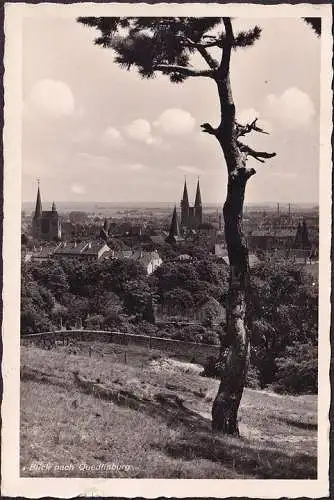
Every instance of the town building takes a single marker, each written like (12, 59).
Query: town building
(149, 260)
(46, 224)
(191, 216)
(85, 250)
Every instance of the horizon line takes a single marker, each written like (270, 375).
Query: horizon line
(171, 202)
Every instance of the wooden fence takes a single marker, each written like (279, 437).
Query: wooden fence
(189, 350)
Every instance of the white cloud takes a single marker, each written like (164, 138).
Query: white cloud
(247, 115)
(140, 130)
(94, 161)
(292, 109)
(189, 169)
(175, 121)
(137, 167)
(78, 188)
(51, 98)
(112, 137)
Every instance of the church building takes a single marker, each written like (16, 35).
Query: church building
(191, 216)
(46, 224)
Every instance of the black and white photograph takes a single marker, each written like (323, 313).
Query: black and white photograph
(167, 186)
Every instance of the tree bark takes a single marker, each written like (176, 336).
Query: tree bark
(233, 375)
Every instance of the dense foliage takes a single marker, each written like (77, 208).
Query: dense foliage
(183, 300)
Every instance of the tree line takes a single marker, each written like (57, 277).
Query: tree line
(183, 300)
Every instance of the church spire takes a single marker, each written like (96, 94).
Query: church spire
(174, 227)
(198, 199)
(174, 230)
(185, 200)
(38, 208)
(54, 208)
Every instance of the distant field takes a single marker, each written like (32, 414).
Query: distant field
(151, 419)
(90, 206)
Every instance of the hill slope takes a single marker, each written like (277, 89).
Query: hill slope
(129, 412)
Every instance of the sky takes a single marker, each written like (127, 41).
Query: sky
(92, 131)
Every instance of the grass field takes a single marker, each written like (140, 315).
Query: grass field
(151, 419)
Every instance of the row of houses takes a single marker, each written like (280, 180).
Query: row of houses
(92, 251)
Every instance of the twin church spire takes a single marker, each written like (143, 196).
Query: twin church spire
(185, 198)
(191, 216)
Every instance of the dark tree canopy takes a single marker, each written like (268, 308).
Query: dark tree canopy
(165, 44)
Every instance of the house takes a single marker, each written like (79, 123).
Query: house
(40, 254)
(83, 250)
(150, 260)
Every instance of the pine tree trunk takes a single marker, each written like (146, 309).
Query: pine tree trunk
(233, 376)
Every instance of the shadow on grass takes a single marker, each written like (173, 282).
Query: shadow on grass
(299, 424)
(242, 456)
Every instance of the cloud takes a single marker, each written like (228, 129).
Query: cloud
(112, 137)
(140, 130)
(247, 115)
(175, 121)
(78, 188)
(292, 109)
(94, 161)
(138, 167)
(189, 169)
(52, 98)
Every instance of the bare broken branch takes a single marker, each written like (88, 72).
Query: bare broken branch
(242, 130)
(258, 155)
(209, 129)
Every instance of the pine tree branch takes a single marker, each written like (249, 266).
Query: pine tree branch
(182, 70)
(201, 48)
(215, 42)
(258, 155)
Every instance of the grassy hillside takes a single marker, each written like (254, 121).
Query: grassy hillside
(131, 412)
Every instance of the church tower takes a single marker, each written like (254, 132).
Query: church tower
(46, 224)
(185, 206)
(36, 222)
(198, 206)
(174, 230)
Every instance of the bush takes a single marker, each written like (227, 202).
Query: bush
(297, 372)
(35, 321)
